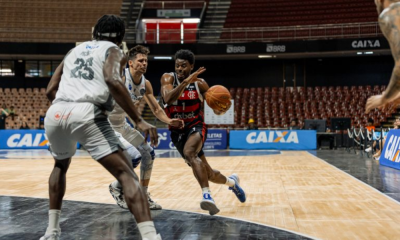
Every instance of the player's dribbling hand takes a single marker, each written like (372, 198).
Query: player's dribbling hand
(177, 123)
(193, 77)
(148, 129)
(373, 102)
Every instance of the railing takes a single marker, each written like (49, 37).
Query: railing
(225, 35)
(174, 5)
(270, 34)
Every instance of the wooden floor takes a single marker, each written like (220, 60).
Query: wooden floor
(293, 190)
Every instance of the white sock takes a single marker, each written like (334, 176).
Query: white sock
(116, 184)
(230, 182)
(147, 230)
(206, 190)
(145, 188)
(54, 221)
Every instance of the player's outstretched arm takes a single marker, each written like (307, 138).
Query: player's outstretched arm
(54, 83)
(171, 94)
(156, 108)
(112, 76)
(390, 26)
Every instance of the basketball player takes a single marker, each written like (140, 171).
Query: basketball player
(140, 89)
(182, 95)
(82, 90)
(389, 22)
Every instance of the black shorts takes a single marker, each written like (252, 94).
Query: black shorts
(179, 138)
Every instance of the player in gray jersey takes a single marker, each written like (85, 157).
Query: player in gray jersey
(82, 91)
(140, 90)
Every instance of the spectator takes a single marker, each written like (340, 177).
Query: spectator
(370, 125)
(24, 125)
(41, 126)
(3, 116)
(379, 146)
(12, 112)
(252, 125)
(41, 116)
(294, 124)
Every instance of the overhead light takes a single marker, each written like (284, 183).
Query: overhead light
(359, 53)
(162, 58)
(5, 70)
(265, 56)
(191, 20)
(368, 52)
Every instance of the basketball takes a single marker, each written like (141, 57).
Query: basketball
(218, 98)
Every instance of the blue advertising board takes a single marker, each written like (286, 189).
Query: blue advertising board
(273, 139)
(23, 139)
(216, 139)
(390, 156)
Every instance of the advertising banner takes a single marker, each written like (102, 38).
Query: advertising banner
(271, 139)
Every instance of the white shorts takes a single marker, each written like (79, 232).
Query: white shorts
(131, 135)
(67, 123)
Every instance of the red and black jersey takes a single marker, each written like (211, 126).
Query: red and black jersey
(188, 107)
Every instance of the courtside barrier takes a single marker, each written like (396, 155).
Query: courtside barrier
(273, 139)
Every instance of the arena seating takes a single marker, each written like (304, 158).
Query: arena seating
(275, 107)
(39, 21)
(269, 107)
(29, 104)
(259, 13)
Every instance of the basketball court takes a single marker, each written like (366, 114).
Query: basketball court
(290, 195)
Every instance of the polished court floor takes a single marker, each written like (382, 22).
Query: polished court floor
(290, 195)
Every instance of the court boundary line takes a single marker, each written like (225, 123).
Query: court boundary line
(334, 167)
(218, 216)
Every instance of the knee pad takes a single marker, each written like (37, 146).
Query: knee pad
(134, 155)
(147, 162)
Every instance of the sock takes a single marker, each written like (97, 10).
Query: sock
(145, 188)
(147, 230)
(230, 182)
(116, 184)
(206, 190)
(54, 221)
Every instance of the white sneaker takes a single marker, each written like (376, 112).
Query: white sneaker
(368, 149)
(55, 235)
(158, 237)
(118, 196)
(153, 205)
(208, 204)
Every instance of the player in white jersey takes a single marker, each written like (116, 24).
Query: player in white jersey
(82, 90)
(140, 90)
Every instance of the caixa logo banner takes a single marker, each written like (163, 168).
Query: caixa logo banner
(23, 139)
(216, 139)
(391, 151)
(281, 140)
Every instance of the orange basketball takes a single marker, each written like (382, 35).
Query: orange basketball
(218, 98)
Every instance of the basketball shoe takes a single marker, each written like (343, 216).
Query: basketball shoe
(118, 196)
(236, 189)
(55, 235)
(153, 205)
(208, 204)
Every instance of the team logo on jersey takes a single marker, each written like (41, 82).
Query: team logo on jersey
(57, 116)
(142, 91)
(130, 86)
(192, 95)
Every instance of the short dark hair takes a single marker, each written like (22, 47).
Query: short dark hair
(139, 49)
(185, 54)
(295, 120)
(370, 120)
(109, 27)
